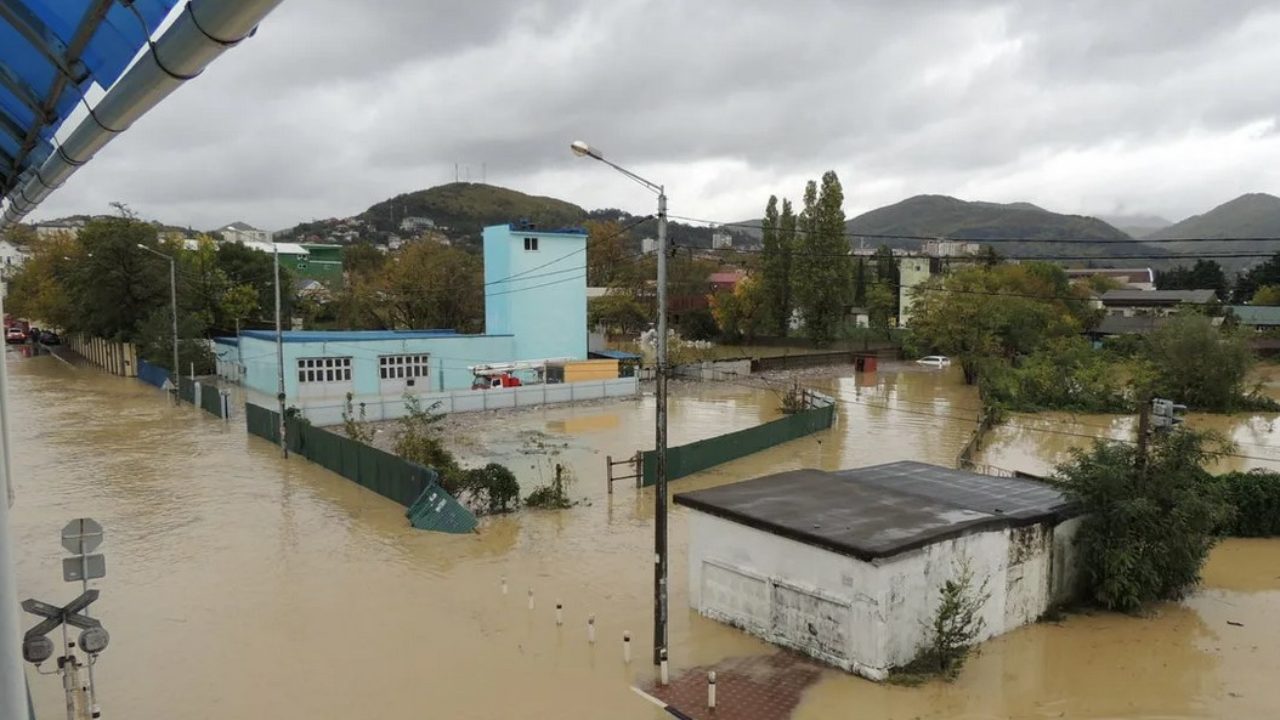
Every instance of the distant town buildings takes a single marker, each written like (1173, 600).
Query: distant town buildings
(648, 246)
(54, 228)
(414, 223)
(942, 248)
(243, 233)
(721, 240)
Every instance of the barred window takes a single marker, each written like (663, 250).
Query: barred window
(327, 369)
(398, 367)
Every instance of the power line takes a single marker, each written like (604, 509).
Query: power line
(943, 238)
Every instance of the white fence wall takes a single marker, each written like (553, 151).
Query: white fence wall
(328, 411)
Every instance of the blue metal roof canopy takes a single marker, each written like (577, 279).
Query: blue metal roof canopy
(54, 50)
(51, 53)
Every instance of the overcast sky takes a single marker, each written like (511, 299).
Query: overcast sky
(1097, 107)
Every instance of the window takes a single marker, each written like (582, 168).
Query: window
(401, 367)
(531, 244)
(322, 370)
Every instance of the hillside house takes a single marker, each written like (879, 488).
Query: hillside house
(1256, 317)
(243, 232)
(1130, 278)
(1131, 303)
(846, 566)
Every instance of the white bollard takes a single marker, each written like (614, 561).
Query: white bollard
(559, 614)
(504, 584)
(591, 629)
(662, 668)
(530, 598)
(711, 690)
(626, 648)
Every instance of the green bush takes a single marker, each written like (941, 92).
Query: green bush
(1147, 528)
(1068, 374)
(1255, 498)
(490, 489)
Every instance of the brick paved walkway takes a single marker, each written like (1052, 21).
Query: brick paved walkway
(764, 687)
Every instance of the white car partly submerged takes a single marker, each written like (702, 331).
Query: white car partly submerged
(934, 361)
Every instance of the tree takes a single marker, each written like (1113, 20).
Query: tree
(822, 259)
(247, 266)
(617, 312)
(740, 313)
(1147, 524)
(980, 314)
(40, 289)
(114, 284)
(775, 279)
(239, 303)
(362, 259)
(609, 249)
(424, 285)
(881, 305)
(1194, 363)
(1268, 273)
(1204, 275)
(860, 281)
(1266, 295)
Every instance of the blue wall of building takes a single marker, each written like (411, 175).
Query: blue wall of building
(545, 305)
(450, 353)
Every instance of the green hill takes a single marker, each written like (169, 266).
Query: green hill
(464, 209)
(1021, 223)
(1251, 215)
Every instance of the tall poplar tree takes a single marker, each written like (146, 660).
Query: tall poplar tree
(823, 259)
(775, 271)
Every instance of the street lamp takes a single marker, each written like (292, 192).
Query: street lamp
(582, 149)
(173, 297)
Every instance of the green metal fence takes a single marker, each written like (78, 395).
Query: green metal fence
(700, 455)
(187, 390)
(211, 399)
(392, 477)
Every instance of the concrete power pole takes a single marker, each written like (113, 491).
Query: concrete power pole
(284, 446)
(660, 431)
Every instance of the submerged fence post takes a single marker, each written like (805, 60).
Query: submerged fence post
(559, 614)
(711, 690)
(591, 629)
(626, 647)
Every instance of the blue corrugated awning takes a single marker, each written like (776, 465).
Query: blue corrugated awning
(51, 53)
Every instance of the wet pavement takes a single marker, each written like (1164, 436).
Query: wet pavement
(243, 585)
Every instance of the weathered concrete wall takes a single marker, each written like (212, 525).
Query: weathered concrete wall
(114, 357)
(779, 589)
(713, 370)
(868, 617)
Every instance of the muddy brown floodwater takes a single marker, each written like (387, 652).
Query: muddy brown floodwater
(242, 585)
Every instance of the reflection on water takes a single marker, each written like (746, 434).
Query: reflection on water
(243, 585)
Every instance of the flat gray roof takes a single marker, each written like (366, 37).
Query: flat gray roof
(880, 511)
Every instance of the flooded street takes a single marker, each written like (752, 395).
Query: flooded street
(241, 585)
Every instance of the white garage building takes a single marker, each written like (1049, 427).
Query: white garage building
(846, 566)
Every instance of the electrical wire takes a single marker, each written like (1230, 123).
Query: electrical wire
(1066, 241)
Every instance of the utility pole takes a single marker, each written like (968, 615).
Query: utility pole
(582, 149)
(660, 432)
(173, 303)
(284, 446)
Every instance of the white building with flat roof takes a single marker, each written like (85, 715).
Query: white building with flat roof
(846, 566)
